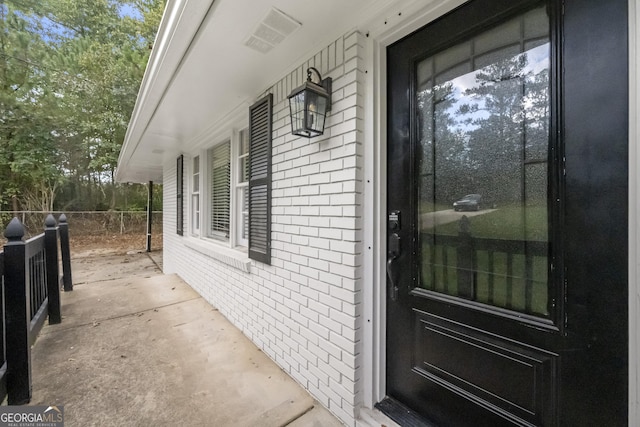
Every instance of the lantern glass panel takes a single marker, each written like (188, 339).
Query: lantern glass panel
(316, 111)
(296, 106)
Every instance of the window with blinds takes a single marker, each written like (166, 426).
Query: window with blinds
(195, 196)
(220, 179)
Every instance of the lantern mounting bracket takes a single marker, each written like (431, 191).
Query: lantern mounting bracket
(325, 83)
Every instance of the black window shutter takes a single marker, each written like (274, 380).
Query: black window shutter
(179, 194)
(260, 115)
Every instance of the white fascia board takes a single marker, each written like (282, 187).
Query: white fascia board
(180, 23)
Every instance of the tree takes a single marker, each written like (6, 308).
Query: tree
(70, 72)
(27, 148)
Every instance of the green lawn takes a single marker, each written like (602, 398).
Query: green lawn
(506, 222)
(433, 207)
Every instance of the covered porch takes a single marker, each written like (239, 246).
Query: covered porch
(139, 348)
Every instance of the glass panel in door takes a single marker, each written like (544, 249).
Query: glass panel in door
(483, 131)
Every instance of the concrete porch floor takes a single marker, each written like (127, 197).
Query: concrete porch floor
(139, 348)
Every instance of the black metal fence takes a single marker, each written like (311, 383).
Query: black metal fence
(513, 273)
(30, 272)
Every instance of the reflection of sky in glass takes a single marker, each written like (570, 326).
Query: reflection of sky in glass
(537, 61)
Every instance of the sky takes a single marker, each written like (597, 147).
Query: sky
(130, 11)
(124, 10)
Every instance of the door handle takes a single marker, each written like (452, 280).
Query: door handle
(393, 289)
(394, 253)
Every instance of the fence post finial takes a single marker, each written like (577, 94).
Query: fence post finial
(15, 231)
(50, 222)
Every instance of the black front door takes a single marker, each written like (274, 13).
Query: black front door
(507, 216)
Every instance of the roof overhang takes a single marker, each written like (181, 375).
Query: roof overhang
(200, 70)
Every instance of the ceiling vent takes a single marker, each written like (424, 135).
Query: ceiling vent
(271, 31)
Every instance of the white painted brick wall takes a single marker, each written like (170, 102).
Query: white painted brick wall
(169, 237)
(304, 310)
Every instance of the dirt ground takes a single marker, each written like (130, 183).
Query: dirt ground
(85, 246)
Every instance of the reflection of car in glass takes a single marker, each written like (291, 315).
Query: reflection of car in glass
(470, 202)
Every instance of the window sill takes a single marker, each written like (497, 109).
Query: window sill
(233, 257)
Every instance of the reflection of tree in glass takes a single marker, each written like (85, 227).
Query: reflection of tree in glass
(506, 122)
(496, 141)
(435, 113)
(537, 116)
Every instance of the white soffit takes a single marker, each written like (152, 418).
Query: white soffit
(203, 68)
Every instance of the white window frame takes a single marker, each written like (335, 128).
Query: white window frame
(195, 199)
(237, 189)
(241, 188)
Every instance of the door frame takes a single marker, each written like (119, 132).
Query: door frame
(395, 22)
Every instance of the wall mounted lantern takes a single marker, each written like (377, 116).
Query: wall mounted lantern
(309, 105)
